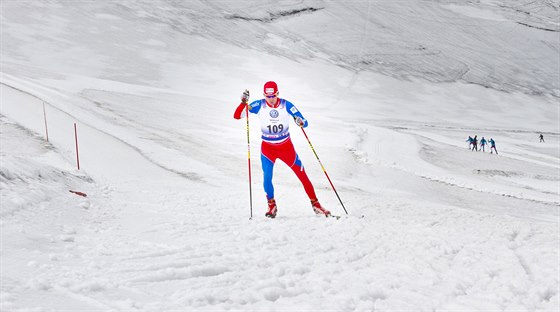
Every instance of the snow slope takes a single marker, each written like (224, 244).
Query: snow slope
(391, 91)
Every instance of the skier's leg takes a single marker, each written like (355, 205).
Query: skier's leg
(268, 157)
(288, 154)
(267, 167)
(299, 170)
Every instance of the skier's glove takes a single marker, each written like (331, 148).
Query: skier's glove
(245, 96)
(299, 121)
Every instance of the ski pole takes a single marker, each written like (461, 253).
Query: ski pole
(249, 159)
(323, 167)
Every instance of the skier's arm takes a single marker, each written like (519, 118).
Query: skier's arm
(242, 105)
(239, 110)
(292, 110)
(253, 107)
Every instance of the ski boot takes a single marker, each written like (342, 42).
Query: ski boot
(318, 209)
(271, 213)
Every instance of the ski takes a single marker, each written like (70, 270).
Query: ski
(338, 217)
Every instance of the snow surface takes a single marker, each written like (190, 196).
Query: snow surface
(391, 89)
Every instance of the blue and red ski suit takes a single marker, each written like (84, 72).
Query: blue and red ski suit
(276, 142)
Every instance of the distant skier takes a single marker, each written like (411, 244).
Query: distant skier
(542, 138)
(275, 114)
(482, 144)
(474, 144)
(493, 146)
(470, 140)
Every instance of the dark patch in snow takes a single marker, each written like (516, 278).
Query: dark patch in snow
(502, 173)
(272, 16)
(6, 176)
(546, 178)
(536, 27)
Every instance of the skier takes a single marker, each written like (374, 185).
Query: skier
(493, 146)
(482, 144)
(274, 114)
(470, 140)
(474, 144)
(542, 138)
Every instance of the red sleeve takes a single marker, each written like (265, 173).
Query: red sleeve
(239, 110)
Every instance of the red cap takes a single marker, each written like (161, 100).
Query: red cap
(270, 88)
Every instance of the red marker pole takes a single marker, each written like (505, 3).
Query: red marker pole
(46, 129)
(77, 154)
